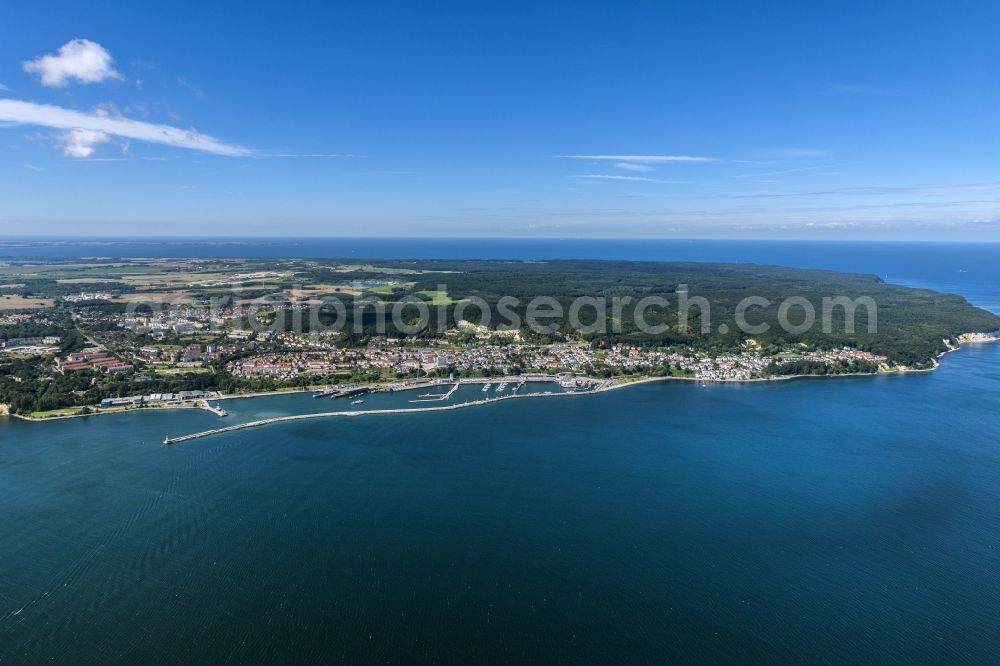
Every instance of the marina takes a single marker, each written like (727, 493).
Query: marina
(372, 412)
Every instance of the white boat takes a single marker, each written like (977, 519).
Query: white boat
(486, 387)
(357, 402)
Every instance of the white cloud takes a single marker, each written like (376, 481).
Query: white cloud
(56, 117)
(81, 60)
(81, 142)
(4, 88)
(642, 159)
(630, 166)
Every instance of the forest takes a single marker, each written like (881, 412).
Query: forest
(911, 328)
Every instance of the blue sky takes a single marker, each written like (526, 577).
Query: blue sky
(797, 120)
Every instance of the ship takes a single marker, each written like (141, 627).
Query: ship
(357, 402)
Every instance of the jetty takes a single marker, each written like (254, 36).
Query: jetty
(431, 397)
(368, 412)
(215, 409)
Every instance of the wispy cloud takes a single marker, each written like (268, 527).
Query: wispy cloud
(81, 60)
(790, 153)
(878, 190)
(969, 187)
(642, 159)
(4, 88)
(56, 117)
(786, 171)
(634, 179)
(190, 87)
(631, 166)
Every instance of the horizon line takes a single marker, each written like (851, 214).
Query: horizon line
(232, 238)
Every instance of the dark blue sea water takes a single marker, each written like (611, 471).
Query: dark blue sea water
(836, 520)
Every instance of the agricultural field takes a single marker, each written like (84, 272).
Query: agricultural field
(11, 302)
(173, 297)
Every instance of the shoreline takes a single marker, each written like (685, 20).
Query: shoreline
(97, 411)
(604, 387)
(611, 384)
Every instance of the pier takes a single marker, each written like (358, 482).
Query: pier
(438, 398)
(215, 409)
(369, 412)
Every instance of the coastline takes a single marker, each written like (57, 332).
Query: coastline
(602, 386)
(608, 385)
(97, 411)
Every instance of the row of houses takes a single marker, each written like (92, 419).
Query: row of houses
(91, 359)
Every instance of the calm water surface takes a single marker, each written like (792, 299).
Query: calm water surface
(815, 520)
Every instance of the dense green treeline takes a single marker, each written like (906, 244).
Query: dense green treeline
(910, 326)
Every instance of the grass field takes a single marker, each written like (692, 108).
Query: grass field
(22, 303)
(173, 279)
(156, 297)
(437, 297)
(386, 289)
(318, 291)
(182, 371)
(369, 268)
(68, 411)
